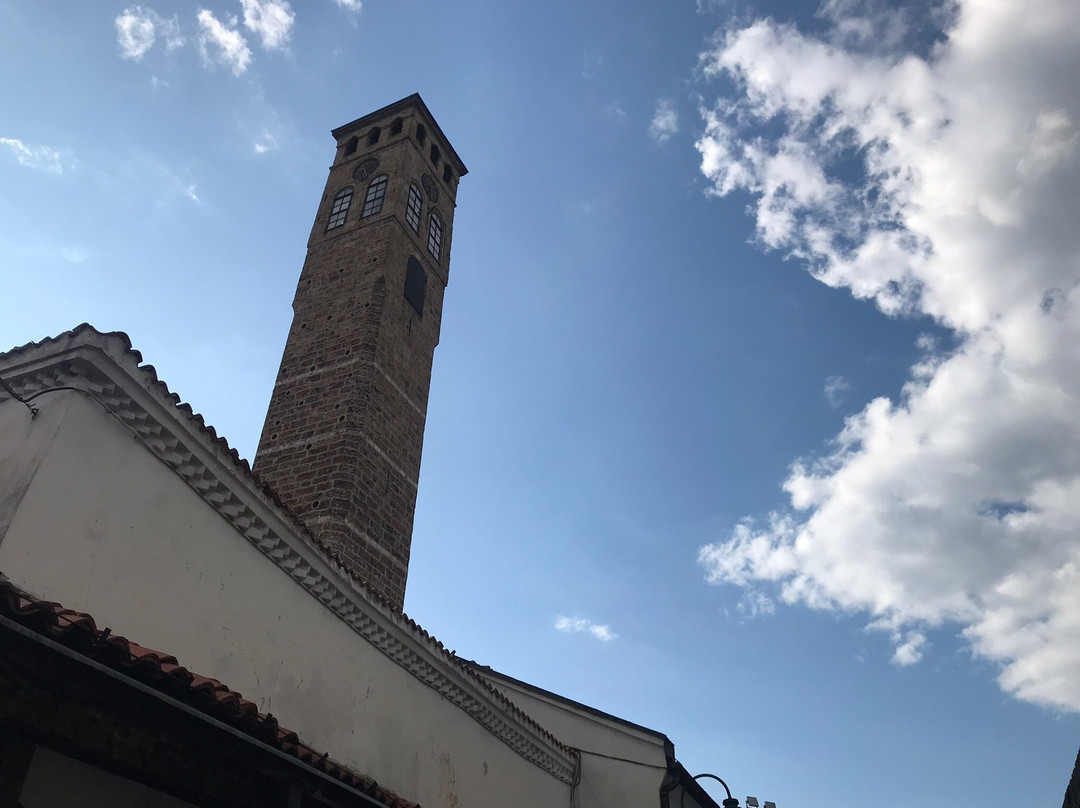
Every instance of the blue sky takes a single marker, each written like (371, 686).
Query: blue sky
(754, 418)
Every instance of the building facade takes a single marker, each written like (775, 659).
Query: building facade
(176, 629)
(343, 436)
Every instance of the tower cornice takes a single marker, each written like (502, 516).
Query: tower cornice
(412, 101)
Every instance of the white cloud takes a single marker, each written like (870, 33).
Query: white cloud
(665, 121)
(756, 604)
(577, 625)
(835, 387)
(350, 5)
(42, 158)
(221, 42)
(880, 26)
(134, 33)
(266, 142)
(711, 6)
(959, 502)
(909, 648)
(138, 28)
(616, 111)
(272, 20)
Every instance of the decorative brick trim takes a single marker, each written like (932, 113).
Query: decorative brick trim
(107, 369)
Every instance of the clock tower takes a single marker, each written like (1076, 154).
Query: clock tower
(343, 435)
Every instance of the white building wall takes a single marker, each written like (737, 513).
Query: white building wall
(621, 764)
(106, 528)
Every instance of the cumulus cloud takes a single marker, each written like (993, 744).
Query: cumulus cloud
(665, 121)
(134, 33)
(933, 175)
(578, 625)
(138, 28)
(221, 43)
(908, 647)
(42, 158)
(271, 20)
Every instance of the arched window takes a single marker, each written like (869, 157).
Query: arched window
(415, 283)
(412, 210)
(447, 174)
(421, 134)
(434, 155)
(376, 193)
(373, 136)
(351, 144)
(340, 208)
(434, 239)
(395, 127)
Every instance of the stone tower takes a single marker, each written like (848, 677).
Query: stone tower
(342, 439)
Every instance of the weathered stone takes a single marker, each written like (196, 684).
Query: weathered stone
(343, 437)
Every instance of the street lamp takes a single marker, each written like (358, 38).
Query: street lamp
(729, 802)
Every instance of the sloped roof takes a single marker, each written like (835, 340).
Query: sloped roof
(163, 672)
(31, 372)
(413, 100)
(490, 673)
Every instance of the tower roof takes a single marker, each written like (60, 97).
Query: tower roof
(413, 100)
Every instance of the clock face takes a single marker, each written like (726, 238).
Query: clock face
(429, 187)
(365, 169)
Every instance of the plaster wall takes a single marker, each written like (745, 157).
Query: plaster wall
(25, 442)
(105, 527)
(621, 764)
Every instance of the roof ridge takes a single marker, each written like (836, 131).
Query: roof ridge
(163, 672)
(220, 444)
(217, 441)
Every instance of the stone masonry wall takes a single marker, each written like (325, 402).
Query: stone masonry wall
(344, 433)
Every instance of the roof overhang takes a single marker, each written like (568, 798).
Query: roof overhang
(61, 699)
(105, 368)
(413, 101)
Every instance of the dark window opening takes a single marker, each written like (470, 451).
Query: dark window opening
(434, 239)
(373, 136)
(447, 174)
(435, 155)
(351, 144)
(376, 193)
(412, 210)
(415, 284)
(395, 127)
(340, 208)
(421, 134)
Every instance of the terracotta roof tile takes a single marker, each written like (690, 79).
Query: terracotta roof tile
(163, 672)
